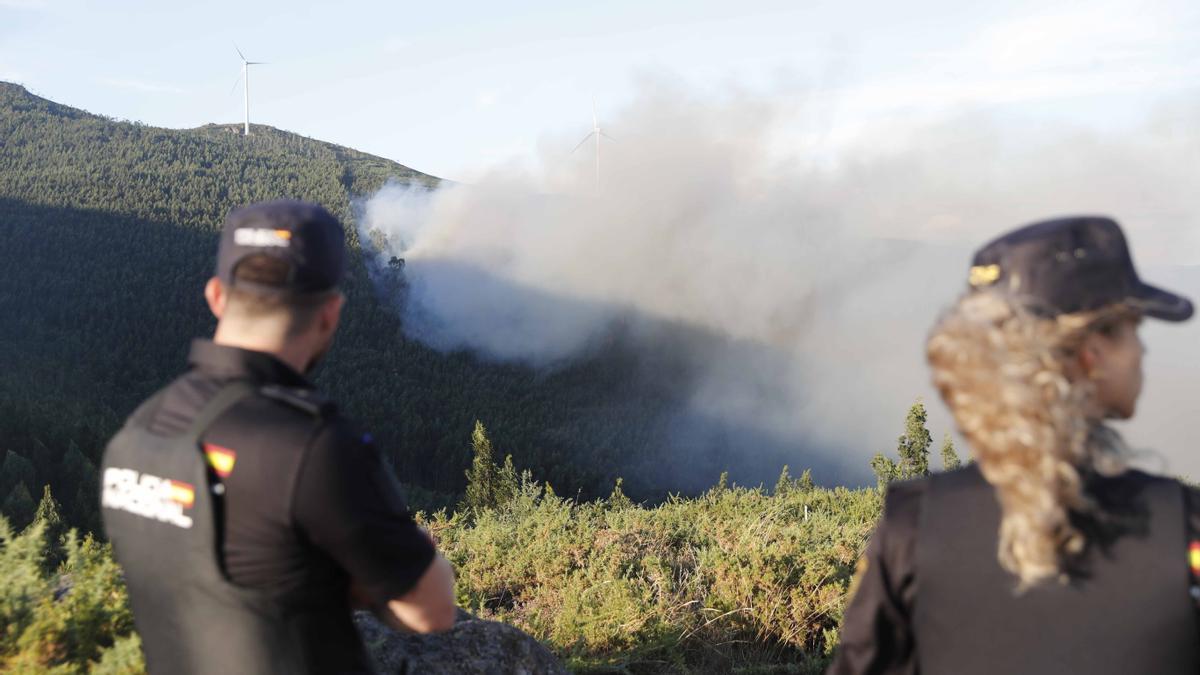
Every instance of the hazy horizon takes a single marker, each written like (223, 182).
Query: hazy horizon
(458, 89)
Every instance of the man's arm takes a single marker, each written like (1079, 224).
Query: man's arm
(427, 608)
(348, 503)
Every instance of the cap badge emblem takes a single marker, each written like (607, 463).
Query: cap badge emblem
(261, 237)
(984, 275)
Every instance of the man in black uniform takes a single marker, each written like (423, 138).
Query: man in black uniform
(248, 514)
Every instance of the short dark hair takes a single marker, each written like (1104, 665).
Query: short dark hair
(300, 310)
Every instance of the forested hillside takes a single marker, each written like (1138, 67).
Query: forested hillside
(109, 232)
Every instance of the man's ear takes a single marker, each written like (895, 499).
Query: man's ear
(331, 313)
(214, 293)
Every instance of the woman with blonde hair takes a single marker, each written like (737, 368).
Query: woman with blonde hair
(1048, 553)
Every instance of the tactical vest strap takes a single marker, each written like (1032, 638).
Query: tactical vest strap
(302, 399)
(225, 399)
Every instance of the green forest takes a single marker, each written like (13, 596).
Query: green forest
(110, 231)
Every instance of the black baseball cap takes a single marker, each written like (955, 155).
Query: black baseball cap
(1073, 264)
(304, 235)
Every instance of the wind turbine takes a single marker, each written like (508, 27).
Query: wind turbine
(595, 133)
(245, 78)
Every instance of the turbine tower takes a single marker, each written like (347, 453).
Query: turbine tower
(595, 133)
(245, 78)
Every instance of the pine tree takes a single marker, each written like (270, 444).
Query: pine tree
(787, 484)
(914, 445)
(16, 470)
(489, 486)
(508, 483)
(19, 507)
(74, 470)
(48, 511)
(84, 509)
(483, 477)
(950, 459)
(617, 500)
(49, 515)
(784, 484)
(885, 470)
(913, 448)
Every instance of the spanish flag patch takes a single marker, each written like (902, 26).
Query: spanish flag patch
(220, 459)
(182, 493)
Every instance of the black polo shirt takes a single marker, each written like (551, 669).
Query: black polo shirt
(308, 504)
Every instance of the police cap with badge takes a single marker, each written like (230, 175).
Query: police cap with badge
(303, 235)
(1068, 265)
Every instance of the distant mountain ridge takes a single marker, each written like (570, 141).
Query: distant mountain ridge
(194, 153)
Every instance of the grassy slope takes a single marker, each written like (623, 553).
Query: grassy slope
(736, 580)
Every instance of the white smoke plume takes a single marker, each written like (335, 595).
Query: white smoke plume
(806, 288)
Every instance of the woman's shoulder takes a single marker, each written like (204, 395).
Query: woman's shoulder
(1133, 475)
(1136, 481)
(903, 498)
(902, 501)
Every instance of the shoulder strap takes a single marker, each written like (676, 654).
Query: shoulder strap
(225, 398)
(142, 415)
(303, 399)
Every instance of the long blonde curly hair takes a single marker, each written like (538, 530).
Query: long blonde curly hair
(1012, 380)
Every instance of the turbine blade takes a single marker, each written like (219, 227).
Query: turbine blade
(585, 140)
(257, 63)
(235, 84)
(239, 52)
(608, 137)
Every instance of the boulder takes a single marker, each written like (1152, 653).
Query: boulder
(472, 647)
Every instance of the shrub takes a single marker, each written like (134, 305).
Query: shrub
(735, 578)
(69, 617)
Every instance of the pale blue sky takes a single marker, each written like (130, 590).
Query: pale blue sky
(452, 87)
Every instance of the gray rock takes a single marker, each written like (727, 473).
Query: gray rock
(472, 647)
